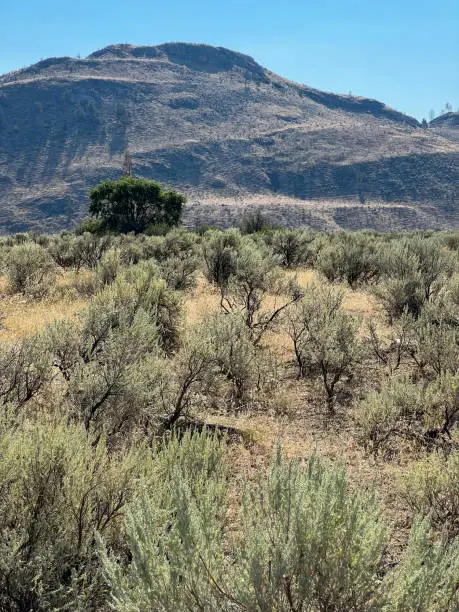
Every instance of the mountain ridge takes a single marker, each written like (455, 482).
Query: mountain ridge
(214, 123)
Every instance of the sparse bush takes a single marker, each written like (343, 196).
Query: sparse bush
(404, 412)
(30, 269)
(324, 340)
(25, 367)
(292, 247)
(90, 248)
(254, 222)
(256, 275)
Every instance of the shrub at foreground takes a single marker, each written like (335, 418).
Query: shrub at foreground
(58, 489)
(307, 543)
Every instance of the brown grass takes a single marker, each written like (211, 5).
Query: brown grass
(23, 317)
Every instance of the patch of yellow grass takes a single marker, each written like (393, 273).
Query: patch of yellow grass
(23, 318)
(305, 276)
(203, 301)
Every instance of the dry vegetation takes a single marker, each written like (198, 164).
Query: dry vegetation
(340, 346)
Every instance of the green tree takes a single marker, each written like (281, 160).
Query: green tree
(133, 204)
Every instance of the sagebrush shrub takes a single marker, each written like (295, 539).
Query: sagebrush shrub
(431, 488)
(232, 354)
(292, 247)
(25, 368)
(404, 412)
(57, 490)
(426, 578)
(219, 251)
(413, 271)
(324, 340)
(255, 276)
(30, 269)
(307, 542)
(349, 258)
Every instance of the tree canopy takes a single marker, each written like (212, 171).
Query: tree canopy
(132, 204)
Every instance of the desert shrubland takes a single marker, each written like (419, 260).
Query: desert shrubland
(263, 419)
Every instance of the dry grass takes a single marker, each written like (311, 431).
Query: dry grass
(203, 301)
(23, 317)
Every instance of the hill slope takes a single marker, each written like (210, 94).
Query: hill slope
(223, 129)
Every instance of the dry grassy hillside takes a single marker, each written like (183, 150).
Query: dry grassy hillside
(214, 124)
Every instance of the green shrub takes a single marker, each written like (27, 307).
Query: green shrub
(324, 340)
(178, 257)
(426, 578)
(349, 258)
(109, 266)
(91, 226)
(118, 366)
(57, 490)
(307, 542)
(219, 250)
(90, 248)
(233, 354)
(431, 488)
(433, 343)
(30, 269)
(292, 247)
(403, 412)
(157, 229)
(413, 271)
(66, 251)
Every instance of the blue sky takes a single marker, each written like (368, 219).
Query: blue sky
(402, 52)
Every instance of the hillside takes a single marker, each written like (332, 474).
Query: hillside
(447, 125)
(223, 129)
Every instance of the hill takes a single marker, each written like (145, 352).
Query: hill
(226, 131)
(447, 125)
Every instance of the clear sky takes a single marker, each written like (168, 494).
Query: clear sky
(402, 52)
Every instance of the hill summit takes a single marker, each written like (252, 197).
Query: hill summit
(229, 133)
